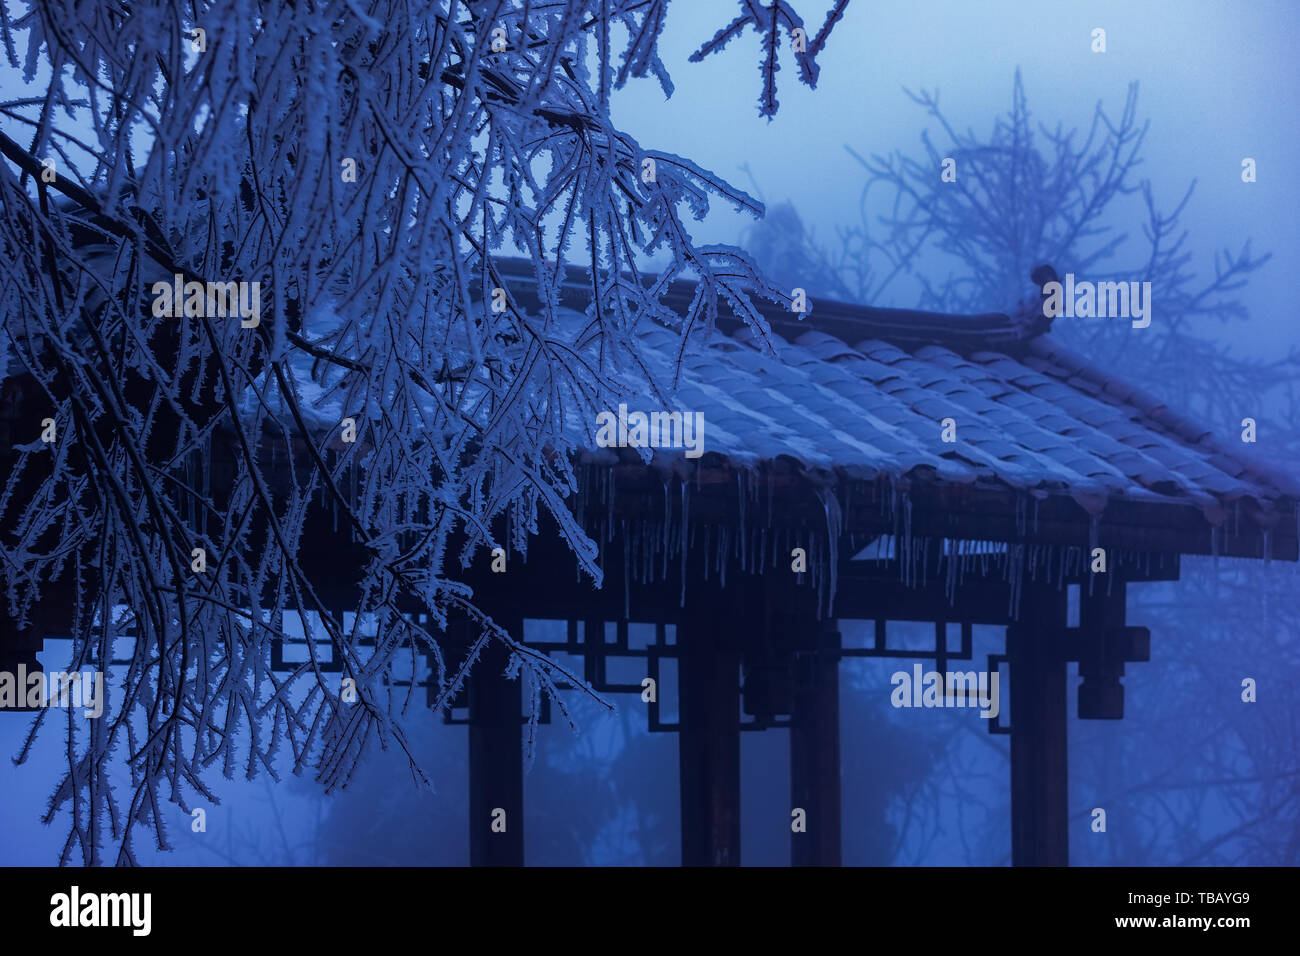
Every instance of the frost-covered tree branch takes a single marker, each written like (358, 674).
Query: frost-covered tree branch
(365, 166)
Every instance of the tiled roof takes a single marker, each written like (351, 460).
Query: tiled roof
(1031, 417)
(1035, 418)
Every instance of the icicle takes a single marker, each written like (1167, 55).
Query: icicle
(683, 544)
(724, 536)
(651, 545)
(609, 495)
(768, 475)
(1018, 582)
(907, 536)
(627, 582)
(1094, 534)
(950, 582)
(834, 528)
(823, 562)
(638, 552)
(1013, 576)
(741, 502)
(667, 527)
(708, 531)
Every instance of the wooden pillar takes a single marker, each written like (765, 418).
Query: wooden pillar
(708, 681)
(18, 649)
(1039, 768)
(496, 769)
(1104, 644)
(815, 750)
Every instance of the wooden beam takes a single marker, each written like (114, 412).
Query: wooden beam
(962, 512)
(866, 589)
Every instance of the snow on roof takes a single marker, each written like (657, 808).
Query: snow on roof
(1029, 415)
(1039, 420)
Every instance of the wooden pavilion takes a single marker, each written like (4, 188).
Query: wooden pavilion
(993, 461)
(833, 443)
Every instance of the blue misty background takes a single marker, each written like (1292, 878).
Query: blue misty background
(1217, 81)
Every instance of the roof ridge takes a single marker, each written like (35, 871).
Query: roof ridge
(849, 322)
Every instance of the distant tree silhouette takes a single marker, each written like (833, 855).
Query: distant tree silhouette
(1192, 775)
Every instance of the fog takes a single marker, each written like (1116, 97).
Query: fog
(920, 787)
